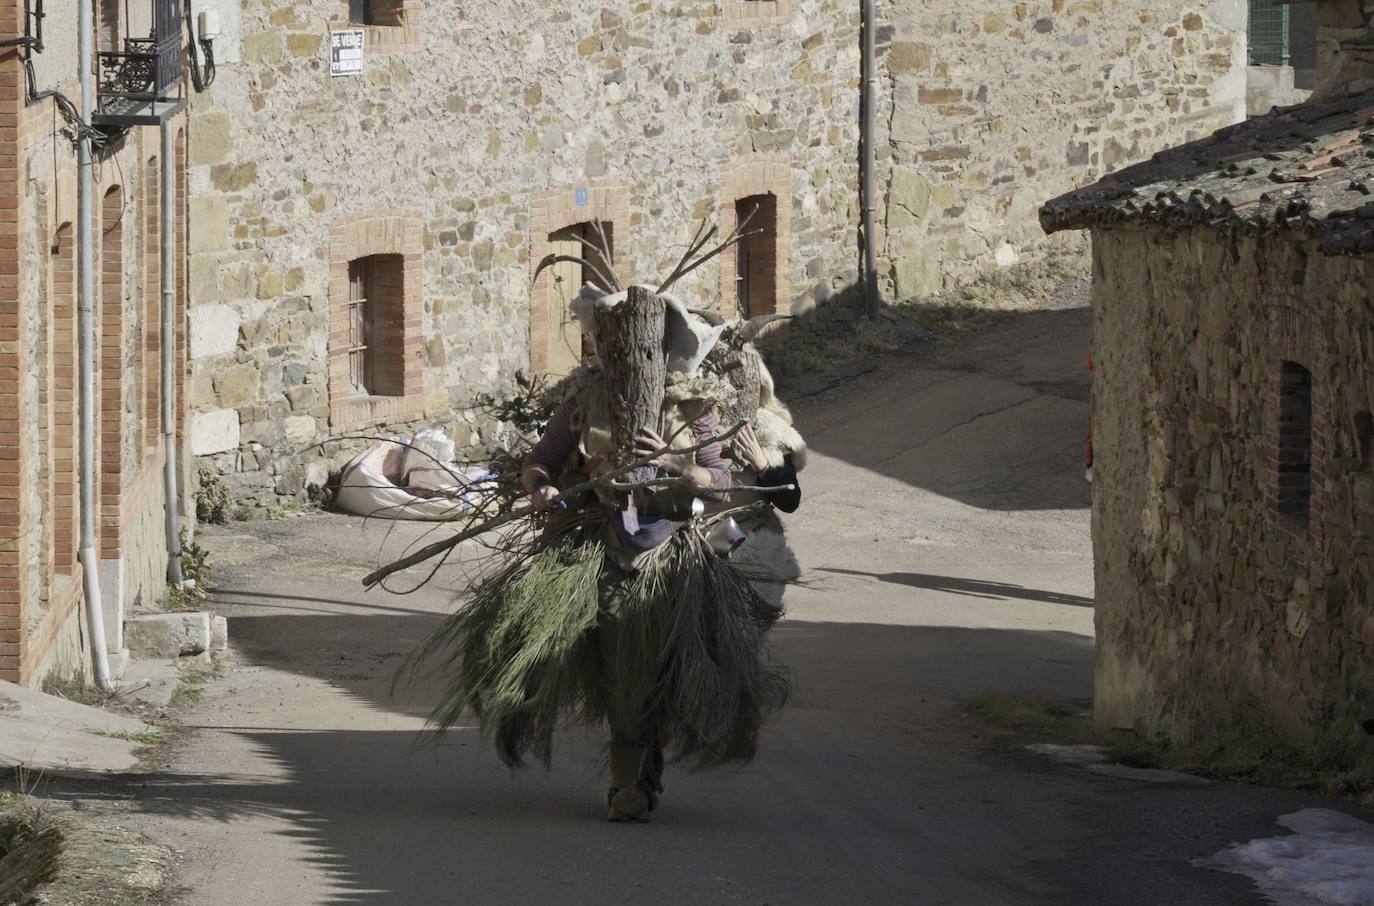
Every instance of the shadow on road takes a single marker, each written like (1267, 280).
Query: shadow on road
(854, 778)
(869, 788)
(973, 588)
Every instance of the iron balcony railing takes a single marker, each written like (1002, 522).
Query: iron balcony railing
(141, 84)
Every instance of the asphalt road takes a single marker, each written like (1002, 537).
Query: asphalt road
(944, 537)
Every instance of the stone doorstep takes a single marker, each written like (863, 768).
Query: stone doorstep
(151, 681)
(46, 734)
(175, 635)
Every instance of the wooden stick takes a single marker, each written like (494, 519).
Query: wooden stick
(606, 253)
(610, 272)
(550, 260)
(732, 241)
(621, 486)
(735, 236)
(696, 245)
(439, 547)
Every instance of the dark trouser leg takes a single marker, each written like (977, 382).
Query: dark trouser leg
(636, 754)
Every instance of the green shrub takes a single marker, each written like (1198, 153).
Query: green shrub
(212, 498)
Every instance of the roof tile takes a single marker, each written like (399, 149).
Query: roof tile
(1307, 170)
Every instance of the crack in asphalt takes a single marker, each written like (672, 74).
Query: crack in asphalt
(955, 427)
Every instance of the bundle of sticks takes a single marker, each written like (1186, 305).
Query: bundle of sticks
(632, 352)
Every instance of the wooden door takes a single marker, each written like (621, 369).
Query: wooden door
(565, 282)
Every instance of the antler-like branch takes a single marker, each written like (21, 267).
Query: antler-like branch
(550, 260)
(610, 271)
(736, 235)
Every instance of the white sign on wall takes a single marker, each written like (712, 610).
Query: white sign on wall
(346, 52)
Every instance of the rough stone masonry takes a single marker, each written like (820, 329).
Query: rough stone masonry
(459, 152)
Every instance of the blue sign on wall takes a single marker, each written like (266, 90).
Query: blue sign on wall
(581, 197)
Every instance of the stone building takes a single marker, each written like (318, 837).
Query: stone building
(42, 629)
(363, 244)
(990, 107)
(1233, 334)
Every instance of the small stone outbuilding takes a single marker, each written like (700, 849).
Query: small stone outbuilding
(1233, 336)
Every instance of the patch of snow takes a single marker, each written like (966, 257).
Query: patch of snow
(1328, 860)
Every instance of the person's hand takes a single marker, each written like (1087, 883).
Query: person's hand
(648, 446)
(749, 449)
(543, 497)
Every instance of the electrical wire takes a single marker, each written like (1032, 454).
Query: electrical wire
(70, 114)
(202, 76)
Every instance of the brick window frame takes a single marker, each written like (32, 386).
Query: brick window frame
(755, 12)
(758, 175)
(110, 443)
(380, 233)
(400, 38)
(1293, 346)
(64, 513)
(558, 209)
(151, 373)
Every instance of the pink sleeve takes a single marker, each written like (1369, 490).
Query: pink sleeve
(710, 456)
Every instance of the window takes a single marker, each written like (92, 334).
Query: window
(567, 346)
(756, 256)
(376, 287)
(755, 276)
(385, 13)
(376, 314)
(1295, 443)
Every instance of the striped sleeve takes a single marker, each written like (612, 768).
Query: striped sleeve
(557, 443)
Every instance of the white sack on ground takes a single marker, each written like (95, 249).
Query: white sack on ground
(428, 462)
(383, 481)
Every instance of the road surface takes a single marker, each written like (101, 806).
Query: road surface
(944, 539)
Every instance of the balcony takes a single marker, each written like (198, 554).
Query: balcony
(141, 85)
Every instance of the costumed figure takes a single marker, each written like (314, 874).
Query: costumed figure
(621, 604)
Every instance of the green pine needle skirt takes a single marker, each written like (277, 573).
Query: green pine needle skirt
(687, 657)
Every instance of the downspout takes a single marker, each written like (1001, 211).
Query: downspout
(85, 238)
(867, 115)
(169, 440)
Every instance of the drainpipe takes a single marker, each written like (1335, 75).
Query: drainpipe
(867, 115)
(169, 440)
(85, 238)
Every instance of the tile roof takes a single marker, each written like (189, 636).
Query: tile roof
(1307, 170)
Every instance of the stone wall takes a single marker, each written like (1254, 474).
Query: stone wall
(991, 107)
(42, 624)
(472, 122)
(130, 453)
(1219, 604)
(484, 122)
